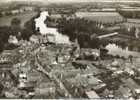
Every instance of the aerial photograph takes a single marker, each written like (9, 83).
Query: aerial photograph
(70, 49)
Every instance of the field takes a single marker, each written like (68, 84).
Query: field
(5, 21)
(104, 17)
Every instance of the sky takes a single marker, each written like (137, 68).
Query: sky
(74, 0)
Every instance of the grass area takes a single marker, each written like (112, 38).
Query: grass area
(24, 17)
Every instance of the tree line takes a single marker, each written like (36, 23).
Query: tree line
(85, 31)
(16, 30)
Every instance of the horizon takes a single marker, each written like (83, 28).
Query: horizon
(67, 1)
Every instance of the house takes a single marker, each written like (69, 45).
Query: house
(6, 66)
(55, 16)
(92, 95)
(130, 23)
(113, 28)
(34, 39)
(7, 56)
(130, 71)
(91, 10)
(87, 81)
(27, 81)
(107, 35)
(13, 40)
(123, 92)
(108, 9)
(51, 38)
(16, 11)
(45, 88)
(90, 69)
(132, 85)
(71, 73)
(130, 12)
(48, 38)
(91, 54)
(130, 9)
(6, 76)
(3, 13)
(33, 76)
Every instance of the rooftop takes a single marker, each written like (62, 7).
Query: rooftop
(92, 94)
(55, 16)
(123, 92)
(132, 84)
(130, 20)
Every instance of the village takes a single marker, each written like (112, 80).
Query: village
(54, 65)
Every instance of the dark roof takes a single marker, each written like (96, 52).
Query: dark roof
(6, 66)
(122, 91)
(132, 84)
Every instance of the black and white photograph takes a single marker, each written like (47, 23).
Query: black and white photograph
(70, 49)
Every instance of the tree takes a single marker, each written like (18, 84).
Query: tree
(15, 22)
(29, 28)
(4, 35)
(80, 29)
(16, 27)
(6, 31)
(1, 14)
(26, 33)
